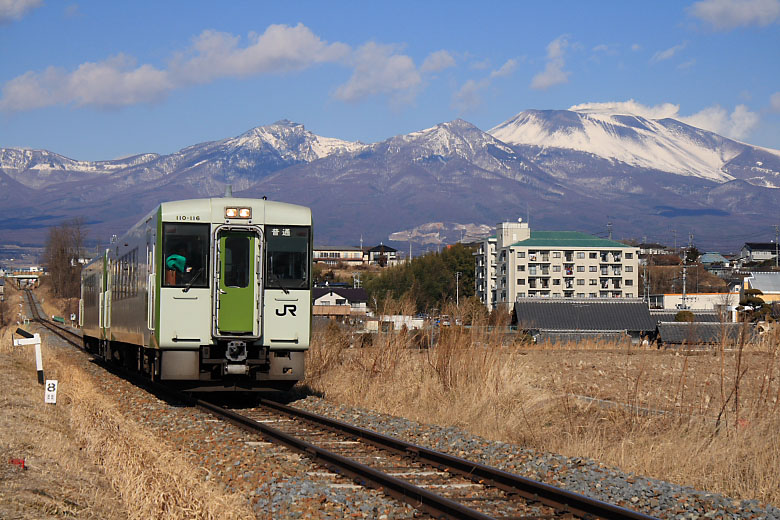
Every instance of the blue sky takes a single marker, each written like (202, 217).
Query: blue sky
(100, 80)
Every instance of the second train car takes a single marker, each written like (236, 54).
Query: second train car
(206, 295)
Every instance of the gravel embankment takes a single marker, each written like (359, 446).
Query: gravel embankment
(280, 484)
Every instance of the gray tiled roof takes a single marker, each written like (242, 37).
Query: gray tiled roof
(766, 282)
(583, 314)
(352, 295)
(697, 333)
(698, 316)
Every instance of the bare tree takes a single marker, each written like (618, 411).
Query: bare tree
(61, 257)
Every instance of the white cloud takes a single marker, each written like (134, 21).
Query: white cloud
(553, 73)
(468, 97)
(119, 81)
(738, 124)
(437, 61)
(630, 107)
(506, 69)
(716, 119)
(730, 14)
(15, 9)
(279, 49)
(668, 53)
(379, 70)
(636, 47)
(774, 101)
(112, 83)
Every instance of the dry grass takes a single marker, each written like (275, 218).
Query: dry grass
(144, 476)
(703, 419)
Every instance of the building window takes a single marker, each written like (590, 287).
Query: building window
(556, 254)
(521, 254)
(580, 295)
(629, 256)
(580, 282)
(556, 281)
(556, 268)
(521, 281)
(521, 295)
(593, 255)
(521, 268)
(580, 268)
(629, 282)
(629, 295)
(531, 269)
(593, 281)
(629, 268)
(591, 295)
(593, 268)
(580, 254)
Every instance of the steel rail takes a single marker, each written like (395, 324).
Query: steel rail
(511, 483)
(415, 496)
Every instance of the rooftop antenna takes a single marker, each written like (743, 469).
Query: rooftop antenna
(228, 190)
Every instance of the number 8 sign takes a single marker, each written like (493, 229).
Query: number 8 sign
(50, 397)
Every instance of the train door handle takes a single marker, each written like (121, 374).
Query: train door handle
(221, 291)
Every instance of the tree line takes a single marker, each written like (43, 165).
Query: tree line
(430, 281)
(64, 245)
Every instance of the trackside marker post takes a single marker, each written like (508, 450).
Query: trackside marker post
(32, 339)
(50, 395)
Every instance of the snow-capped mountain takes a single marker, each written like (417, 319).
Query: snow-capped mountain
(566, 169)
(664, 145)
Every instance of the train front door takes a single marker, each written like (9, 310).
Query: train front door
(238, 287)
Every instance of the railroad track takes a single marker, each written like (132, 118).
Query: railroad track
(441, 485)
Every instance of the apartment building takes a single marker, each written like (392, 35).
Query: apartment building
(519, 263)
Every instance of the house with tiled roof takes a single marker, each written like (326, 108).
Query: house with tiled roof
(767, 283)
(519, 263)
(574, 319)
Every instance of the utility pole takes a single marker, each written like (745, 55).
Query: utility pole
(777, 256)
(674, 232)
(457, 288)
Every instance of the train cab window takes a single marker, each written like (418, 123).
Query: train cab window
(237, 261)
(186, 255)
(287, 257)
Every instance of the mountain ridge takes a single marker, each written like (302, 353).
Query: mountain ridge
(451, 172)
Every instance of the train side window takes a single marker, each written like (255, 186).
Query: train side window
(186, 251)
(288, 256)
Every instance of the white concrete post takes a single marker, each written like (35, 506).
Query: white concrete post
(32, 339)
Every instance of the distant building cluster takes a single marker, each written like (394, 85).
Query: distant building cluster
(381, 255)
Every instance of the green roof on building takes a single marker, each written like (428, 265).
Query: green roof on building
(567, 239)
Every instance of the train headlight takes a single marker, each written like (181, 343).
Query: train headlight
(238, 212)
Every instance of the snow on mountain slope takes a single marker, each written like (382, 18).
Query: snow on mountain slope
(659, 144)
(292, 141)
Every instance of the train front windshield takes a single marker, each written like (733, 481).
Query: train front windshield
(186, 255)
(287, 257)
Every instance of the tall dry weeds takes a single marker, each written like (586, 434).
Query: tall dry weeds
(477, 379)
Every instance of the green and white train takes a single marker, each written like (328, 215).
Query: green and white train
(206, 295)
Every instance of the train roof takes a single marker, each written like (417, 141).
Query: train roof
(263, 211)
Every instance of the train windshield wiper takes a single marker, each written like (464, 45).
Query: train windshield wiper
(280, 284)
(192, 280)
